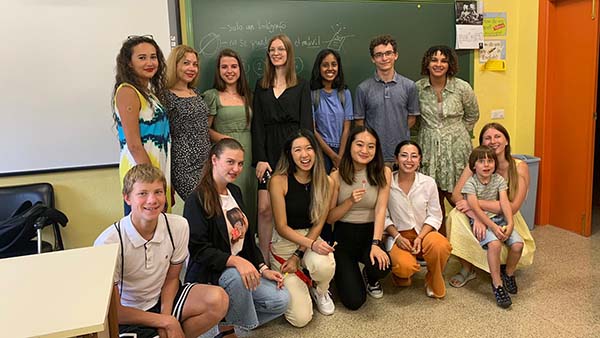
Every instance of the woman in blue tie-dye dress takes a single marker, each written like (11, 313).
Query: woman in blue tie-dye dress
(140, 118)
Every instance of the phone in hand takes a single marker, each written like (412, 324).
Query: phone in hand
(266, 177)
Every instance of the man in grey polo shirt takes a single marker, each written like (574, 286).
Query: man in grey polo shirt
(388, 101)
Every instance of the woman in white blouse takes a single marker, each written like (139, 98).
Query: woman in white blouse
(414, 217)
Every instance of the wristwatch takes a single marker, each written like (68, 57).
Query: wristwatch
(376, 242)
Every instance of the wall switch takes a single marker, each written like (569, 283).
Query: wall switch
(498, 114)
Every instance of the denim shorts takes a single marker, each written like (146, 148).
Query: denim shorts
(490, 236)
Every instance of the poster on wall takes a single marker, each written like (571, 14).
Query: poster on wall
(469, 24)
(492, 50)
(494, 24)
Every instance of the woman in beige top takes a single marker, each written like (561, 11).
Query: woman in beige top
(360, 196)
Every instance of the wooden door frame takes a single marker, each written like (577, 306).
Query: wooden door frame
(544, 115)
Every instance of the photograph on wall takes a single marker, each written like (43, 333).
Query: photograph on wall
(469, 13)
(469, 24)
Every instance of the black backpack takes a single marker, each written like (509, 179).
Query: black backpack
(17, 231)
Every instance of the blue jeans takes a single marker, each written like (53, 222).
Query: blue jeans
(249, 309)
(490, 236)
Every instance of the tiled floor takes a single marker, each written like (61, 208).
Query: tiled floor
(559, 296)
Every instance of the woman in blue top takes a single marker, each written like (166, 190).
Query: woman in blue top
(332, 106)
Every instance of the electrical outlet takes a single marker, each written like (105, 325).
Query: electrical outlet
(498, 114)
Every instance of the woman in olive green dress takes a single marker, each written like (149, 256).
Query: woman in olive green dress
(449, 111)
(230, 114)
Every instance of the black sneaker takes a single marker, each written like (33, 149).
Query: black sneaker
(374, 290)
(510, 283)
(502, 297)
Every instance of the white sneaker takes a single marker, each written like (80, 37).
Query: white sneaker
(323, 301)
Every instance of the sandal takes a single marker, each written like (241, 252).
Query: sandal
(502, 297)
(510, 283)
(461, 278)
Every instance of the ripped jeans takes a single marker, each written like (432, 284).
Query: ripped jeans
(249, 309)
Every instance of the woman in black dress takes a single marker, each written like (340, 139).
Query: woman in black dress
(281, 106)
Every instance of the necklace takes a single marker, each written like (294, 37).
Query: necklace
(306, 185)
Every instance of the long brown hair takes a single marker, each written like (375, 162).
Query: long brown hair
(290, 65)
(513, 175)
(206, 188)
(375, 168)
(126, 74)
(320, 184)
(242, 87)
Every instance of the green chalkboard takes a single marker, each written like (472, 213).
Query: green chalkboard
(347, 26)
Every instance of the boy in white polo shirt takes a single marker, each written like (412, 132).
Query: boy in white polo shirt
(153, 248)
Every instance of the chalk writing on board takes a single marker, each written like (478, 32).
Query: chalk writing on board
(212, 43)
(264, 25)
(209, 44)
(258, 67)
(309, 41)
(337, 40)
(299, 64)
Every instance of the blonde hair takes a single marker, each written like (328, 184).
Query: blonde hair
(320, 192)
(176, 55)
(290, 65)
(145, 173)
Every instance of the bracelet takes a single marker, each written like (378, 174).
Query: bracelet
(396, 237)
(311, 245)
(263, 268)
(299, 253)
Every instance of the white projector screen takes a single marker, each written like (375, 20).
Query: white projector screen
(57, 74)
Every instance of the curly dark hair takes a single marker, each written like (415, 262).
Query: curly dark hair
(316, 80)
(125, 74)
(446, 51)
(385, 39)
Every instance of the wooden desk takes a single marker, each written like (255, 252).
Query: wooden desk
(57, 294)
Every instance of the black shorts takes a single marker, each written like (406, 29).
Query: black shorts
(139, 331)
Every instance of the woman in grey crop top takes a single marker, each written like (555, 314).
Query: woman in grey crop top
(300, 190)
(361, 189)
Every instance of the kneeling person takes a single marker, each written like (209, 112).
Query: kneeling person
(151, 298)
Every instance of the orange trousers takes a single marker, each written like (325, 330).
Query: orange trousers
(435, 250)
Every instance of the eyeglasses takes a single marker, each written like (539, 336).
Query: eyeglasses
(148, 36)
(388, 53)
(278, 49)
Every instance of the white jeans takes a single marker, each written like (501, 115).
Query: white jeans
(321, 269)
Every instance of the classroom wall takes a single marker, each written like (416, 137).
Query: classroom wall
(515, 89)
(92, 200)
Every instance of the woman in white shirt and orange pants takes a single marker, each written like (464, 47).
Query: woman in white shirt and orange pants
(413, 219)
